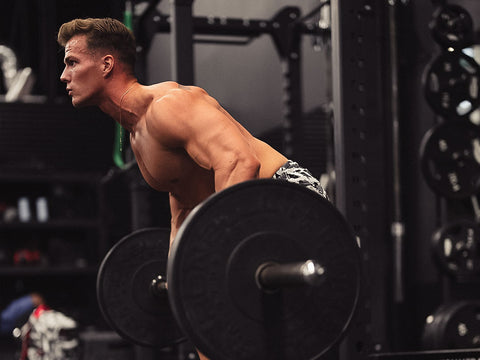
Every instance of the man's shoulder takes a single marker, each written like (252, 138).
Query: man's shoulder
(168, 102)
(177, 96)
(159, 90)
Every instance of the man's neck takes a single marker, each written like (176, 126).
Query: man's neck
(116, 103)
(127, 113)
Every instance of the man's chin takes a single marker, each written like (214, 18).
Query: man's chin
(78, 104)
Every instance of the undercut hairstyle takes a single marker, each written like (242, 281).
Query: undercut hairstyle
(102, 34)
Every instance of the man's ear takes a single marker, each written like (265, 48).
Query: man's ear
(108, 63)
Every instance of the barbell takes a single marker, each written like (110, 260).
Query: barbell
(264, 269)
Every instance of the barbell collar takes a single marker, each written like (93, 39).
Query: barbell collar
(272, 276)
(158, 286)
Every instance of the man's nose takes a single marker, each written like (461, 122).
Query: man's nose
(63, 77)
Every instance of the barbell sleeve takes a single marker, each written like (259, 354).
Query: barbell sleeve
(272, 276)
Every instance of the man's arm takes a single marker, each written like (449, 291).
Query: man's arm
(190, 119)
(179, 214)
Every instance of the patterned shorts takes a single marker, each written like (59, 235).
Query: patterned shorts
(294, 173)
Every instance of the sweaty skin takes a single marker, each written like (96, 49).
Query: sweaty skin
(184, 142)
(188, 145)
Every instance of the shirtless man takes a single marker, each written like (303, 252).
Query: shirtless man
(184, 142)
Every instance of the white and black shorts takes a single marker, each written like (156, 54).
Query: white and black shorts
(294, 173)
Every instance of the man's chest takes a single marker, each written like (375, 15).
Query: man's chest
(160, 167)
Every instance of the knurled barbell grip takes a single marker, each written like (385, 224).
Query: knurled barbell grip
(271, 276)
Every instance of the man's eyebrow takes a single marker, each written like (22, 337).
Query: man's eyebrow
(68, 58)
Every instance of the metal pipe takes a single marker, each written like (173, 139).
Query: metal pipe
(272, 276)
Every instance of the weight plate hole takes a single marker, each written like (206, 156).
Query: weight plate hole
(433, 171)
(434, 84)
(467, 66)
(477, 313)
(447, 247)
(464, 107)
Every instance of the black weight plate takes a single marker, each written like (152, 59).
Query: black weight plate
(451, 85)
(452, 27)
(457, 248)
(123, 289)
(453, 326)
(450, 155)
(212, 264)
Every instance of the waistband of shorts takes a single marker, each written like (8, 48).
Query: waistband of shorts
(288, 165)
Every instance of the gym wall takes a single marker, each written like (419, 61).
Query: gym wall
(247, 80)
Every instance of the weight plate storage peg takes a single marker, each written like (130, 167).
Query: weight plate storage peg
(265, 269)
(450, 159)
(452, 27)
(131, 289)
(454, 325)
(451, 85)
(456, 248)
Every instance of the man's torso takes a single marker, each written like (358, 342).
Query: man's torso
(171, 169)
